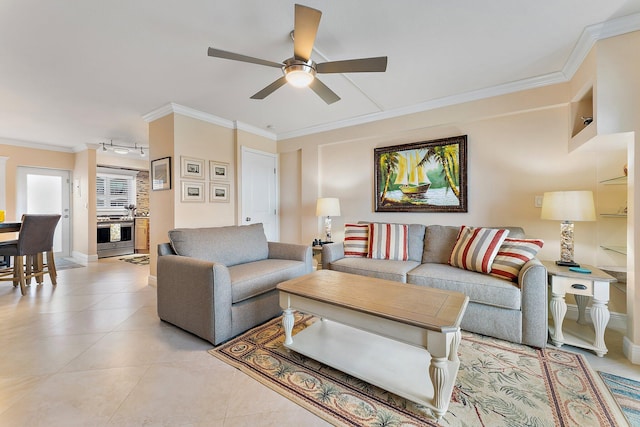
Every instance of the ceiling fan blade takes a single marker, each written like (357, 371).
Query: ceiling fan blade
(270, 89)
(364, 65)
(305, 28)
(324, 92)
(217, 53)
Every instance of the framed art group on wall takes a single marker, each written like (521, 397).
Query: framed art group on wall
(427, 176)
(195, 191)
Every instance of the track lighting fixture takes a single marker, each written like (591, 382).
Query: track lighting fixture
(124, 149)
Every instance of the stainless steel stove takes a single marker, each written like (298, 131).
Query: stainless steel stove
(115, 236)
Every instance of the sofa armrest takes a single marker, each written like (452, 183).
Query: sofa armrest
(331, 252)
(533, 285)
(165, 249)
(292, 252)
(195, 295)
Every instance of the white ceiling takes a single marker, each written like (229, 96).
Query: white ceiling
(80, 72)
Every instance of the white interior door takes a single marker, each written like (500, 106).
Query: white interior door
(259, 191)
(46, 191)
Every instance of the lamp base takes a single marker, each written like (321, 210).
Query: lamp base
(567, 263)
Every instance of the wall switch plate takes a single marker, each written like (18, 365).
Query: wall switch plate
(537, 201)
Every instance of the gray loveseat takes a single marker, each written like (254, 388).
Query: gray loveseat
(515, 312)
(219, 282)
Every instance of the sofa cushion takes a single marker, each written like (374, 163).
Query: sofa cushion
(225, 245)
(389, 241)
(513, 255)
(255, 278)
(416, 240)
(476, 247)
(380, 268)
(440, 239)
(480, 288)
(356, 240)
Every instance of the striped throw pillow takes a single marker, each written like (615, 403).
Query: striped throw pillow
(389, 241)
(513, 255)
(356, 240)
(476, 248)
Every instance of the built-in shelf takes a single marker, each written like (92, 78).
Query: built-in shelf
(613, 248)
(613, 215)
(620, 180)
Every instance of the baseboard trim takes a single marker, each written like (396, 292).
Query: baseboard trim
(152, 281)
(83, 258)
(631, 350)
(617, 321)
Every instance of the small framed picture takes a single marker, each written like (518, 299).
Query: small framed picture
(192, 191)
(218, 192)
(218, 171)
(161, 174)
(192, 168)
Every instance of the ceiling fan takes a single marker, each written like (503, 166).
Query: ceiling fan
(300, 70)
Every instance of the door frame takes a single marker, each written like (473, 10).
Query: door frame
(21, 201)
(241, 214)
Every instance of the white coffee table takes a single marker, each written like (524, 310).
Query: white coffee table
(393, 335)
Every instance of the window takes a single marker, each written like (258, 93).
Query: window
(115, 192)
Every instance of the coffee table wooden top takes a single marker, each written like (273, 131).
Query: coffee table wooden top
(420, 306)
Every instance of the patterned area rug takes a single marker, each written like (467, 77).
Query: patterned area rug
(627, 394)
(139, 260)
(498, 384)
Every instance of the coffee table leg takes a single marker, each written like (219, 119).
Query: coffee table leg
(438, 373)
(287, 323)
(455, 343)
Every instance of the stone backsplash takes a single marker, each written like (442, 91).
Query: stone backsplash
(142, 193)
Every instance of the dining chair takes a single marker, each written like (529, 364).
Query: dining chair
(34, 240)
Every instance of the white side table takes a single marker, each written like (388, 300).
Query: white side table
(583, 286)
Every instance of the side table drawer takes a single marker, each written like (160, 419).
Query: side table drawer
(562, 285)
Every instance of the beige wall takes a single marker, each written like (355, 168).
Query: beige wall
(31, 157)
(161, 203)
(512, 157)
(85, 245)
(121, 161)
(618, 107)
(205, 141)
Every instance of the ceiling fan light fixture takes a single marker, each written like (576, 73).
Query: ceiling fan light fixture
(298, 73)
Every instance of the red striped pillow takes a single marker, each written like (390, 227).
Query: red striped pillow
(389, 241)
(476, 248)
(356, 240)
(513, 255)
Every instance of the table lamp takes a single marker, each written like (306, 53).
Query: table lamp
(568, 206)
(328, 207)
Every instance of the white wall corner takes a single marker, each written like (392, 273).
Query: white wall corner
(631, 351)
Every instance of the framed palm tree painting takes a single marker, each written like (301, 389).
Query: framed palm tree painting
(427, 176)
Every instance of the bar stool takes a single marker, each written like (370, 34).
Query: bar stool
(34, 240)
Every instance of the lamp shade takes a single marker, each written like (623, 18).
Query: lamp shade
(328, 206)
(568, 206)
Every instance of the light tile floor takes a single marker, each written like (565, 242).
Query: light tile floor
(92, 351)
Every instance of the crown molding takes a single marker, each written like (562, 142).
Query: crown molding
(503, 89)
(255, 130)
(37, 145)
(172, 107)
(593, 33)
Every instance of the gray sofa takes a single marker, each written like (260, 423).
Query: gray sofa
(515, 312)
(219, 282)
